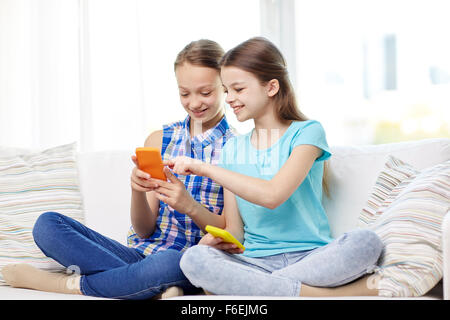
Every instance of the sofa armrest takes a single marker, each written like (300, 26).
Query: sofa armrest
(446, 255)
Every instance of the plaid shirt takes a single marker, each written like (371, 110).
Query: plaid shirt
(175, 230)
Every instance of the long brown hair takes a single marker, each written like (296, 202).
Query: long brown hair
(203, 53)
(262, 58)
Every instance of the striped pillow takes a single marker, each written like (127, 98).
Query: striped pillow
(410, 228)
(30, 184)
(394, 173)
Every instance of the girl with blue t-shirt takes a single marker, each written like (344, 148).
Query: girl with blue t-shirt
(273, 185)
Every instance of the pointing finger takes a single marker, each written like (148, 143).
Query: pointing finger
(169, 163)
(169, 174)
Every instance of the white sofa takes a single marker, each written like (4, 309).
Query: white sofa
(105, 176)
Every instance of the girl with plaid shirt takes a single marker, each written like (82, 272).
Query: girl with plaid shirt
(164, 223)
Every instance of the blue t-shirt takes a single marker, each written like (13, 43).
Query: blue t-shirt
(300, 223)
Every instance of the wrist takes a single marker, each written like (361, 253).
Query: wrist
(137, 193)
(192, 209)
(138, 198)
(204, 169)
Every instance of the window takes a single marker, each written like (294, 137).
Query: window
(374, 71)
(101, 72)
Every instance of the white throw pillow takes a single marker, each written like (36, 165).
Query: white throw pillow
(32, 183)
(394, 173)
(409, 223)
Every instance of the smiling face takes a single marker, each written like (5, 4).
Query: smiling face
(245, 94)
(201, 94)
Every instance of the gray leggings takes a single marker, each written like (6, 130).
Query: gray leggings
(347, 258)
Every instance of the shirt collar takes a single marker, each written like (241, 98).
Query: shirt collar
(207, 137)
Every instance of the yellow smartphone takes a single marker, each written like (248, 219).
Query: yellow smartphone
(150, 161)
(224, 234)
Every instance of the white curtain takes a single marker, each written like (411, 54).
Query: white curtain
(39, 72)
(100, 72)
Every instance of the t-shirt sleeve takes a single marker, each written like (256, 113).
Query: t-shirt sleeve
(312, 134)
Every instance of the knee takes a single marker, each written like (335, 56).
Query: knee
(44, 226)
(193, 260)
(369, 243)
(158, 268)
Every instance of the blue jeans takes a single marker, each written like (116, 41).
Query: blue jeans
(108, 268)
(345, 259)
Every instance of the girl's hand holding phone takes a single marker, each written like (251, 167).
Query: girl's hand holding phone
(140, 180)
(174, 193)
(218, 243)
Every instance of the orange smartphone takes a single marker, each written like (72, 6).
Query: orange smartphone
(150, 161)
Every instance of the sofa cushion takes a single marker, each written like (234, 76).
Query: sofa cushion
(384, 192)
(31, 183)
(409, 222)
(354, 170)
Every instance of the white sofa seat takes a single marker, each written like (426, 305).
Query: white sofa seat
(105, 186)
